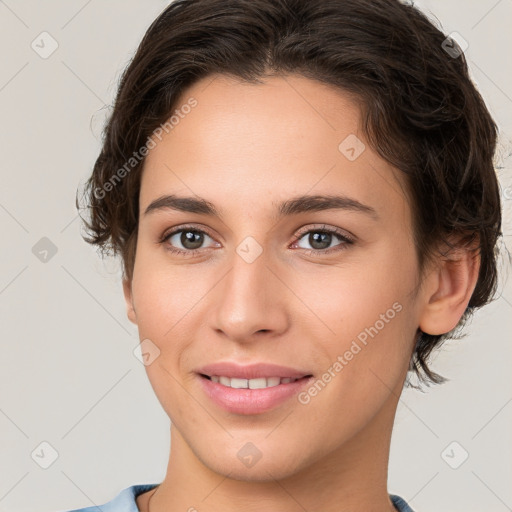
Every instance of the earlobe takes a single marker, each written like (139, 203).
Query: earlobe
(450, 288)
(128, 297)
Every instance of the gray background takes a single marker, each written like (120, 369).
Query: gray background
(69, 376)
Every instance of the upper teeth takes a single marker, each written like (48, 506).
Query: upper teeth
(259, 383)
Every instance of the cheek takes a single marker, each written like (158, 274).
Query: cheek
(162, 302)
(367, 316)
(365, 360)
(163, 295)
(355, 295)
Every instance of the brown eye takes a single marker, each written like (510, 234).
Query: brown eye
(191, 239)
(321, 240)
(185, 240)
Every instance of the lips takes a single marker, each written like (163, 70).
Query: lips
(253, 371)
(246, 401)
(251, 389)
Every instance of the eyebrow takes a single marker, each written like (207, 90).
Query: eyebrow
(294, 206)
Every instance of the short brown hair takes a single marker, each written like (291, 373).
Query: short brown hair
(421, 113)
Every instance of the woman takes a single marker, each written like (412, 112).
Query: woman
(303, 196)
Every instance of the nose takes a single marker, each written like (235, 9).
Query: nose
(250, 302)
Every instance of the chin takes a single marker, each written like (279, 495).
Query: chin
(263, 471)
(251, 464)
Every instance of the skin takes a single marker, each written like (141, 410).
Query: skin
(243, 148)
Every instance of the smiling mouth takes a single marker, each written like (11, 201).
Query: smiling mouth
(258, 383)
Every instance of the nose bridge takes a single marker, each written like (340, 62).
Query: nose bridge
(249, 300)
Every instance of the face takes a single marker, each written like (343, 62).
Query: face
(327, 291)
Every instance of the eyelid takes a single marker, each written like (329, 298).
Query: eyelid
(325, 227)
(192, 227)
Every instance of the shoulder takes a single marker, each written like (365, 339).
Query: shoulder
(400, 504)
(123, 502)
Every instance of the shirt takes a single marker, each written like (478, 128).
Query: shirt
(125, 501)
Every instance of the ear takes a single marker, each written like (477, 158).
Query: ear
(448, 290)
(128, 297)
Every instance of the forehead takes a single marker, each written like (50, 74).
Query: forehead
(292, 108)
(286, 136)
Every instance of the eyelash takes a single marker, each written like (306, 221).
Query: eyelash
(324, 229)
